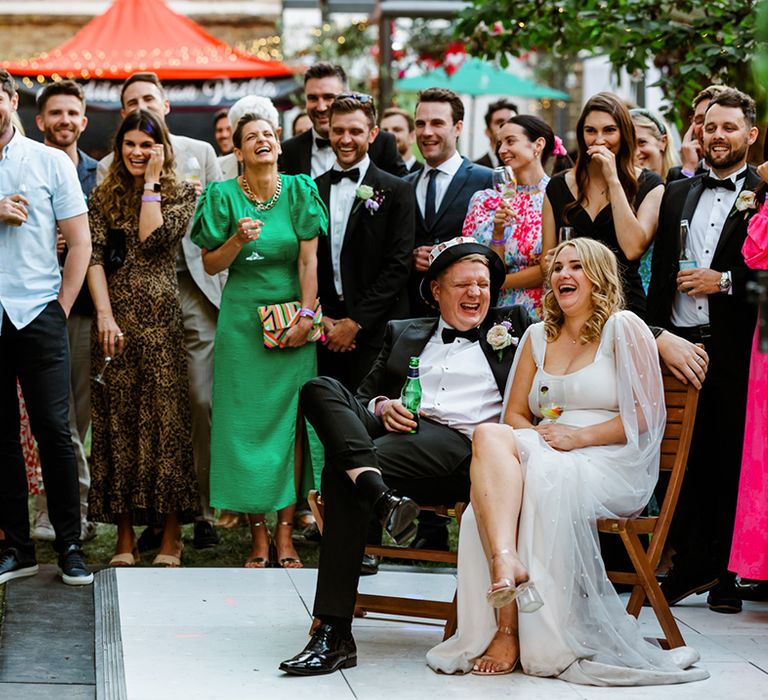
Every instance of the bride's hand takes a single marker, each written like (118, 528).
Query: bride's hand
(558, 437)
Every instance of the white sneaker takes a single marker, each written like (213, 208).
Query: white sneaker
(43, 530)
(87, 530)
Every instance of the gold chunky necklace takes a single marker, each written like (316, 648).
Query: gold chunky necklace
(262, 206)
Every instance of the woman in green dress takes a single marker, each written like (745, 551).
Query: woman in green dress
(263, 228)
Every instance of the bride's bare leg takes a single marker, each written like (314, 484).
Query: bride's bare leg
(496, 496)
(503, 652)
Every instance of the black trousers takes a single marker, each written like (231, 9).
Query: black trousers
(350, 368)
(431, 466)
(38, 355)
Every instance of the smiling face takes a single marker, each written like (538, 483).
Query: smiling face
(145, 95)
(258, 144)
(350, 136)
(222, 134)
(516, 149)
(397, 125)
(601, 129)
(727, 138)
(463, 292)
(436, 134)
(7, 108)
(136, 150)
(570, 284)
(319, 94)
(62, 120)
(649, 152)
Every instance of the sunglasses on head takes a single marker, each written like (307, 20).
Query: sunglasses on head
(360, 97)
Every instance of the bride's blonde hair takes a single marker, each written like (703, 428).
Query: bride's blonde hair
(600, 267)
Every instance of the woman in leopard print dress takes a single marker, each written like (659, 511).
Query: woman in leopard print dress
(142, 471)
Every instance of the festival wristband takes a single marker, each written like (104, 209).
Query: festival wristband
(687, 173)
(380, 401)
(502, 241)
(305, 311)
(151, 198)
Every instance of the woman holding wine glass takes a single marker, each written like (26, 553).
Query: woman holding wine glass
(532, 585)
(605, 196)
(507, 218)
(142, 471)
(263, 228)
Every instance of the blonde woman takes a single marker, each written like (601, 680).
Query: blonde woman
(538, 487)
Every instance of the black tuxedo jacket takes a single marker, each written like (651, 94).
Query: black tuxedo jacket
(731, 317)
(485, 160)
(376, 257)
(407, 338)
(417, 167)
(296, 157)
(676, 172)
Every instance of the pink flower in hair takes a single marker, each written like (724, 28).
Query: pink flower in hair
(559, 149)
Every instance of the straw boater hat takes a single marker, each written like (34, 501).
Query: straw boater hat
(444, 254)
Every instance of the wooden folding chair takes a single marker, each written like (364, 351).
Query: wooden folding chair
(393, 605)
(681, 401)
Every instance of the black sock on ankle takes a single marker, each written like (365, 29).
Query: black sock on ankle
(370, 485)
(341, 625)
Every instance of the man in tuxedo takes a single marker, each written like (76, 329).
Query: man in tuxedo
(444, 186)
(363, 265)
(400, 124)
(200, 296)
(707, 304)
(310, 153)
(496, 115)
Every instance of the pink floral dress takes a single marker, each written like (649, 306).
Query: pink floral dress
(749, 550)
(523, 247)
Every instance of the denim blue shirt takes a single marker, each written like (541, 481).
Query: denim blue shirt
(29, 268)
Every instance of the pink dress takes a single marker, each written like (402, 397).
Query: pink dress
(749, 550)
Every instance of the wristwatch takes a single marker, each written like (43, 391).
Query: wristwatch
(152, 186)
(725, 281)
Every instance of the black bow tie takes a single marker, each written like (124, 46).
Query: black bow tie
(727, 184)
(338, 175)
(450, 334)
(322, 143)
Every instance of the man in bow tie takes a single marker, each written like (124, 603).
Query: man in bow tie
(363, 265)
(310, 153)
(705, 302)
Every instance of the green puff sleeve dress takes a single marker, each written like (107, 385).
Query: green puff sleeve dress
(255, 390)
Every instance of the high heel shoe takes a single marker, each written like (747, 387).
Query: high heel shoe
(259, 562)
(287, 562)
(505, 590)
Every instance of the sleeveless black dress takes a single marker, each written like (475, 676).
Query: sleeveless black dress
(602, 229)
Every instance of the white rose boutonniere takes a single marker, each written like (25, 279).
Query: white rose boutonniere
(499, 337)
(746, 202)
(369, 198)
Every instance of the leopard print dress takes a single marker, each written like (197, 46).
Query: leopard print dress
(142, 445)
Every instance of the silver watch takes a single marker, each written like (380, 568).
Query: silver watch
(725, 282)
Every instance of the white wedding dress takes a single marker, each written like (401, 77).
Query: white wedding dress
(583, 633)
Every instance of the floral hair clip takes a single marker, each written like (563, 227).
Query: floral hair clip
(559, 149)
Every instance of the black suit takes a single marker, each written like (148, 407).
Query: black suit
(676, 172)
(703, 523)
(431, 466)
(296, 158)
(449, 218)
(376, 261)
(485, 161)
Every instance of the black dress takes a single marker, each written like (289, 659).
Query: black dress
(602, 229)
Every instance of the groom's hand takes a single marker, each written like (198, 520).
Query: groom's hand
(396, 417)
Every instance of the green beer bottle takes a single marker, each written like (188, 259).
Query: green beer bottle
(410, 396)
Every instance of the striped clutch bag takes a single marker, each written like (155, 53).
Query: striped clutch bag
(277, 319)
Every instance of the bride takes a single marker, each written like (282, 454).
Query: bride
(539, 486)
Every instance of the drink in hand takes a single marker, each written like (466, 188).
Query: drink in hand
(410, 396)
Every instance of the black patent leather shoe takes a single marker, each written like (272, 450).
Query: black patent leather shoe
(370, 565)
(326, 652)
(397, 515)
(679, 584)
(724, 597)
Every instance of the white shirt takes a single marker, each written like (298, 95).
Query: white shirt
(30, 277)
(458, 388)
(446, 171)
(322, 158)
(710, 216)
(340, 207)
(409, 162)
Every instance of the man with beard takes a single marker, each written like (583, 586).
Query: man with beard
(706, 303)
(61, 118)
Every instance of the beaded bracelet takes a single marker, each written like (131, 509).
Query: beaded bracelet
(151, 198)
(304, 311)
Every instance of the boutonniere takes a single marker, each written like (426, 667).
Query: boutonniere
(746, 202)
(500, 337)
(369, 198)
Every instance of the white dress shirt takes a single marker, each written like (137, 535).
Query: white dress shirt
(409, 163)
(446, 171)
(710, 216)
(340, 207)
(322, 158)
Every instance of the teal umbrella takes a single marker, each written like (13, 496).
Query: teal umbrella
(476, 77)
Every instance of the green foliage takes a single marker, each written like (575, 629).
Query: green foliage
(692, 43)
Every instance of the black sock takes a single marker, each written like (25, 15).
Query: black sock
(341, 625)
(370, 485)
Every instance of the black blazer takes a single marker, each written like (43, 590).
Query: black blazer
(296, 157)
(375, 259)
(676, 172)
(407, 338)
(485, 160)
(417, 167)
(731, 317)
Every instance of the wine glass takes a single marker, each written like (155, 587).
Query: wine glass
(255, 255)
(504, 181)
(99, 378)
(551, 394)
(564, 233)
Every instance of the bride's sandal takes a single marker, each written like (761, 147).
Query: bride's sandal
(505, 590)
(500, 668)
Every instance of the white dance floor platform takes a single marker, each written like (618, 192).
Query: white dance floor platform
(221, 633)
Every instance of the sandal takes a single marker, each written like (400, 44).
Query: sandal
(288, 562)
(509, 668)
(505, 590)
(258, 562)
(169, 561)
(125, 558)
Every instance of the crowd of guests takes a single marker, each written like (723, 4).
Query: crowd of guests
(247, 322)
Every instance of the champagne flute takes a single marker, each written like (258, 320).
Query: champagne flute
(564, 233)
(99, 378)
(255, 255)
(505, 183)
(551, 395)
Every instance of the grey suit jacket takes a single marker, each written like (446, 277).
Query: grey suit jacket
(185, 148)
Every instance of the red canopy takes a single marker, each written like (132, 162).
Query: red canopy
(145, 35)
